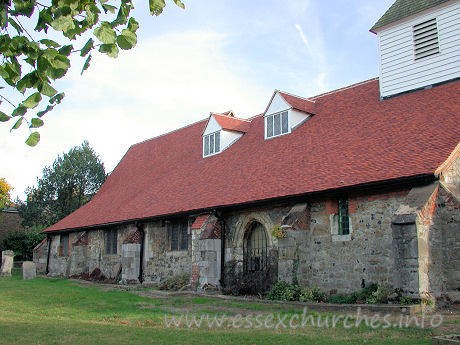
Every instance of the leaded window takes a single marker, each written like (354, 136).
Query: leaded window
(344, 225)
(178, 234)
(111, 242)
(211, 144)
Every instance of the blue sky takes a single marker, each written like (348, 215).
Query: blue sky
(212, 56)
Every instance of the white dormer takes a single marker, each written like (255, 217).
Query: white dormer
(285, 112)
(221, 131)
(418, 45)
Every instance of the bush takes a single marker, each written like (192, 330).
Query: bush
(23, 243)
(176, 283)
(379, 296)
(283, 291)
(313, 294)
(342, 299)
(406, 300)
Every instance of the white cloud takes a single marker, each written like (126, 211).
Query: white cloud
(317, 55)
(165, 83)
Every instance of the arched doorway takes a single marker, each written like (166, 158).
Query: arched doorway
(255, 248)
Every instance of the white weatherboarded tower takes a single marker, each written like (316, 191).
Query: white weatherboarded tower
(419, 45)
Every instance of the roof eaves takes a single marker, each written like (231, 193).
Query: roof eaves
(402, 9)
(410, 179)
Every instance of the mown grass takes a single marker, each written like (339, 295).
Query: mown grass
(54, 311)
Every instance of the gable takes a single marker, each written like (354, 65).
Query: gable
(212, 126)
(277, 104)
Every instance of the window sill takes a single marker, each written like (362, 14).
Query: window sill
(341, 238)
(276, 136)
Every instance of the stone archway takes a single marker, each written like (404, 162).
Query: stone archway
(241, 233)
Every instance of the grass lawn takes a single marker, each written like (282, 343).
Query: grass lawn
(54, 311)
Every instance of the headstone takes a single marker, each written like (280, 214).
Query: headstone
(28, 270)
(7, 263)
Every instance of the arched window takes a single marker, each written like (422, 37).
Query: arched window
(255, 248)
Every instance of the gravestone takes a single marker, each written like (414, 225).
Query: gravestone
(7, 263)
(28, 270)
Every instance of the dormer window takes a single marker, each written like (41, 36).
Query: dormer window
(277, 124)
(285, 113)
(211, 144)
(222, 131)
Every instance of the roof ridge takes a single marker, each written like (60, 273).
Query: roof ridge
(292, 95)
(345, 88)
(233, 117)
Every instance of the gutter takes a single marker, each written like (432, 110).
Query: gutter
(140, 228)
(48, 237)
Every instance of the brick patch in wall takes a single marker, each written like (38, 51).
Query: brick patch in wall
(429, 209)
(195, 276)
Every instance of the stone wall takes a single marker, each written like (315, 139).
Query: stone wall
(314, 255)
(447, 222)
(406, 238)
(346, 263)
(160, 262)
(40, 255)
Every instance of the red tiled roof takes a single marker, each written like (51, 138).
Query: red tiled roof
(299, 103)
(232, 123)
(199, 221)
(353, 139)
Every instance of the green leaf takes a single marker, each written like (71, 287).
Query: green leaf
(36, 123)
(24, 8)
(66, 50)
(122, 16)
(127, 39)
(47, 89)
(92, 14)
(60, 62)
(44, 20)
(15, 26)
(19, 111)
(33, 139)
(86, 65)
(26, 82)
(49, 43)
(105, 33)
(133, 25)
(3, 16)
(33, 100)
(109, 8)
(43, 112)
(63, 23)
(4, 117)
(17, 124)
(58, 98)
(110, 49)
(87, 47)
(156, 6)
(3, 73)
(180, 4)
(32, 50)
